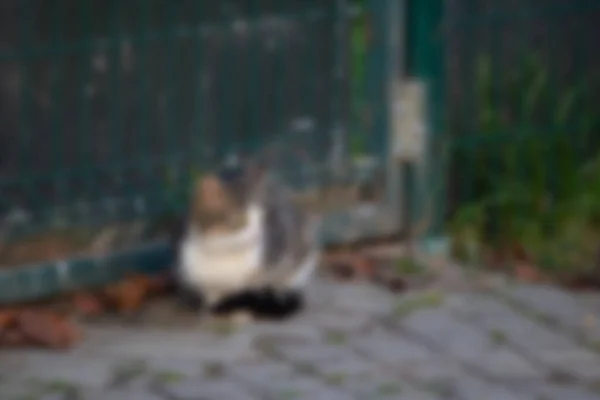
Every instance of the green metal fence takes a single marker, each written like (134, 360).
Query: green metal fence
(110, 108)
(521, 86)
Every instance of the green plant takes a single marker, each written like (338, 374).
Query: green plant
(535, 191)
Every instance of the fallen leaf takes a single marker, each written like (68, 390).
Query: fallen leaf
(158, 284)
(127, 296)
(12, 338)
(7, 318)
(526, 273)
(47, 329)
(350, 264)
(363, 266)
(87, 304)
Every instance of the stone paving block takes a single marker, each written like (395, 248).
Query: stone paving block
(402, 393)
(384, 387)
(182, 367)
(130, 374)
(550, 391)
(71, 368)
(12, 362)
(469, 388)
(579, 364)
(557, 306)
(429, 370)
(157, 370)
(357, 297)
(280, 380)
(320, 291)
(296, 329)
(197, 345)
(468, 344)
(336, 319)
(591, 301)
(260, 371)
(391, 349)
(328, 358)
(111, 394)
(16, 390)
(554, 350)
(53, 396)
(302, 388)
(220, 389)
(494, 315)
(459, 384)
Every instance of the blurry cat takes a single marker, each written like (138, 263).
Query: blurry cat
(247, 246)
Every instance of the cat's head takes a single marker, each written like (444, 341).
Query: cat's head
(220, 199)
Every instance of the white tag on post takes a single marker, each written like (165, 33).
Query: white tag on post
(409, 120)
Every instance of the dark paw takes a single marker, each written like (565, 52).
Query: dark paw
(265, 303)
(277, 303)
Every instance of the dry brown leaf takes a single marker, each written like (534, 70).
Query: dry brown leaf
(127, 296)
(87, 304)
(7, 318)
(347, 263)
(158, 284)
(12, 338)
(47, 329)
(527, 273)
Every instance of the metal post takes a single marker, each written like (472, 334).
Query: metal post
(396, 47)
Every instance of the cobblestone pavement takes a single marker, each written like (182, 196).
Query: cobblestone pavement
(354, 342)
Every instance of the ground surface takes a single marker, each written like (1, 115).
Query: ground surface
(354, 342)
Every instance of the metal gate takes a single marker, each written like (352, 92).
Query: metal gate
(110, 108)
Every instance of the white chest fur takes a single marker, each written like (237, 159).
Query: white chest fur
(220, 265)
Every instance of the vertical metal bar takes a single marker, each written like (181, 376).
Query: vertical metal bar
(26, 100)
(144, 147)
(226, 91)
(198, 124)
(357, 68)
(436, 157)
(116, 82)
(429, 66)
(381, 72)
(254, 82)
(339, 149)
(464, 31)
(57, 77)
(173, 160)
(85, 133)
(559, 175)
(279, 77)
(310, 95)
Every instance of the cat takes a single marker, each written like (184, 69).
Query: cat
(247, 246)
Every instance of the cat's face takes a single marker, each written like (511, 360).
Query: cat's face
(220, 201)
